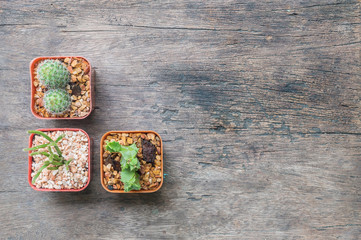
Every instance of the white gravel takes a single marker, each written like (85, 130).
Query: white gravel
(73, 146)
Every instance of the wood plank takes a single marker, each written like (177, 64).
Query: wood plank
(258, 104)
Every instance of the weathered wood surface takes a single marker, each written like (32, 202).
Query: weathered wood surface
(258, 103)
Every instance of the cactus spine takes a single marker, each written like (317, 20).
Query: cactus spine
(53, 74)
(57, 101)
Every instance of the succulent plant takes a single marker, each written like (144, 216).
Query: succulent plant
(130, 165)
(53, 74)
(57, 101)
(55, 159)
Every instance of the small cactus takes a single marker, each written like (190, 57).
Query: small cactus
(57, 101)
(53, 74)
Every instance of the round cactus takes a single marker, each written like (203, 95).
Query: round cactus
(57, 101)
(53, 74)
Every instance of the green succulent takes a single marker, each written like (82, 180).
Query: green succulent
(53, 74)
(55, 159)
(57, 101)
(130, 165)
(129, 158)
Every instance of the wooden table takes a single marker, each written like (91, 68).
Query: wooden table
(258, 103)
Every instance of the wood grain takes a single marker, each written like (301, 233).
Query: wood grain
(257, 102)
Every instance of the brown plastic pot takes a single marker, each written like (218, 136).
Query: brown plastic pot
(33, 65)
(102, 160)
(30, 161)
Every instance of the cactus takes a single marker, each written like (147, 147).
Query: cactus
(57, 101)
(53, 74)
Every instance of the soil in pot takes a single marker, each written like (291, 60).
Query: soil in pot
(78, 88)
(74, 148)
(149, 156)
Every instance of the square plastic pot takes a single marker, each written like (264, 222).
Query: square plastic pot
(102, 160)
(30, 161)
(33, 65)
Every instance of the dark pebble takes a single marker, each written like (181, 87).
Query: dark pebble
(111, 159)
(149, 151)
(116, 165)
(108, 160)
(76, 90)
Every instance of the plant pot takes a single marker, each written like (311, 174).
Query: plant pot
(155, 183)
(81, 85)
(70, 142)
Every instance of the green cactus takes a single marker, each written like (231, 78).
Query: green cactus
(57, 101)
(53, 74)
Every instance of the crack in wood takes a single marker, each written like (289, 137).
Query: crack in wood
(167, 28)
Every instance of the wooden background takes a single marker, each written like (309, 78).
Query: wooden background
(258, 103)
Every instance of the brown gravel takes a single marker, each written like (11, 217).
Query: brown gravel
(150, 173)
(78, 88)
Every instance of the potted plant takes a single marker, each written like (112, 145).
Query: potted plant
(61, 87)
(59, 159)
(131, 161)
